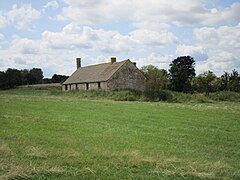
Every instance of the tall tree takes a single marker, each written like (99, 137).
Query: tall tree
(58, 78)
(13, 77)
(234, 81)
(3, 80)
(35, 76)
(205, 82)
(181, 73)
(230, 81)
(224, 81)
(157, 80)
(24, 75)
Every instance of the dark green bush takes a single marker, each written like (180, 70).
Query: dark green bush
(124, 95)
(165, 95)
(225, 96)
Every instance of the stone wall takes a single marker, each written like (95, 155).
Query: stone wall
(66, 87)
(127, 77)
(93, 86)
(98, 85)
(82, 86)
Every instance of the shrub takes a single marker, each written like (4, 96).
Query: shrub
(225, 96)
(124, 95)
(161, 95)
(165, 95)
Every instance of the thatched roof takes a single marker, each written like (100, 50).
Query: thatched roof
(94, 73)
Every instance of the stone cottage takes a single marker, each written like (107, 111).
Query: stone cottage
(107, 76)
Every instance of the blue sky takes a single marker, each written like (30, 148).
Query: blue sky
(51, 34)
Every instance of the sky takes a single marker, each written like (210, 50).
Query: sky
(51, 34)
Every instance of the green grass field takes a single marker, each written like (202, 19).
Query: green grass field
(62, 136)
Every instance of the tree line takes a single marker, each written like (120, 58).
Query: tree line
(14, 77)
(181, 77)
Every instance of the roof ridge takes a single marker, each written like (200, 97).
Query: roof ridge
(105, 63)
(94, 73)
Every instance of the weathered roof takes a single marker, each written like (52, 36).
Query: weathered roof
(94, 73)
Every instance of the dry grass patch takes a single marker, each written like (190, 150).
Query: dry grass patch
(36, 152)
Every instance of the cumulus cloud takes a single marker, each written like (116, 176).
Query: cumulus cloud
(153, 13)
(229, 15)
(51, 61)
(2, 40)
(224, 37)
(219, 63)
(52, 5)
(153, 38)
(3, 20)
(21, 17)
(74, 36)
(223, 44)
(26, 46)
(159, 60)
(59, 49)
(198, 52)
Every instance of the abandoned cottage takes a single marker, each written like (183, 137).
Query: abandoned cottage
(107, 76)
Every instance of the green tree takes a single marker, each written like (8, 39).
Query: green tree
(157, 81)
(58, 78)
(225, 78)
(13, 77)
(24, 76)
(230, 81)
(181, 73)
(206, 82)
(234, 81)
(3, 80)
(35, 76)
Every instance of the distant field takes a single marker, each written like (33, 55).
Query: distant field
(62, 136)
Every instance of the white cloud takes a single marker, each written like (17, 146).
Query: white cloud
(22, 16)
(223, 46)
(52, 5)
(224, 37)
(26, 46)
(58, 49)
(149, 13)
(73, 36)
(153, 38)
(3, 20)
(2, 39)
(220, 62)
(197, 52)
(227, 16)
(151, 25)
(50, 60)
(158, 60)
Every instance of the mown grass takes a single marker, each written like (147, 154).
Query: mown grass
(46, 134)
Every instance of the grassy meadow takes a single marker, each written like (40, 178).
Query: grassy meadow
(47, 134)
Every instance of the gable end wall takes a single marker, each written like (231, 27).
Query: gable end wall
(127, 77)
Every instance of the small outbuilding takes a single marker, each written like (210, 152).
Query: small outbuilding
(107, 76)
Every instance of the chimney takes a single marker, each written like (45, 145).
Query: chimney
(135, 64)
(113, 60)
(78, 61)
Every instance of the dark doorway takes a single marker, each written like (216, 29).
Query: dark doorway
(99, 85)
(87, 86)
